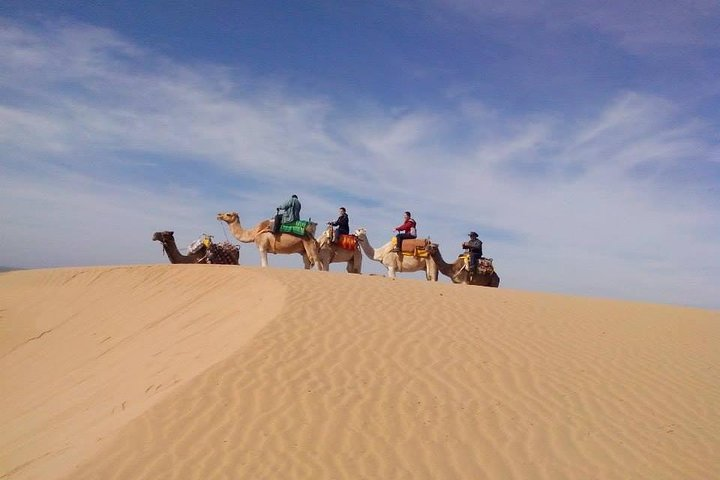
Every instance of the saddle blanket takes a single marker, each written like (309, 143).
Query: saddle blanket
(347, 242)
(297, 228)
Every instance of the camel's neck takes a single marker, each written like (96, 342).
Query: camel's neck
(368, 249)
(245, 236)
(174, 254)
(448, 269)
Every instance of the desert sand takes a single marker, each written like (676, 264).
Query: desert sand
(234, 372)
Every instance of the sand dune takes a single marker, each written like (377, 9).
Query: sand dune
(205, 372)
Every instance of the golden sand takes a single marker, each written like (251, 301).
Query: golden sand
(227, 372)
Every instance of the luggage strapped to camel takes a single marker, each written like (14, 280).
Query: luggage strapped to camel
(484, 265)
(223, 253)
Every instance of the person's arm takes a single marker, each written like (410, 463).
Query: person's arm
(405, 227)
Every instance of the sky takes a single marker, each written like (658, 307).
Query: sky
(580, 139)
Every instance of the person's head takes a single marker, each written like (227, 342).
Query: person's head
(408, 215)
(342, 210)
(473, 235)
(294, 196)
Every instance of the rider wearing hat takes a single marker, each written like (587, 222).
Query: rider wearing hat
(474, 248)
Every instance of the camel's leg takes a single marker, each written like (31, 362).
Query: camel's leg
(306, 261)
(311, 251)
(357, 263)
(391, 271)
(323, 261)
(311, 259)
(263, 258)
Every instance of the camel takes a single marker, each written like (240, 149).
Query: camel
(329, 252)
(223, 253)
(268, 242)
(458, 273)
(395, 262)
(171, 250)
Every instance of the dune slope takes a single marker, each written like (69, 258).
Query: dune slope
(325, 375)
(85, 350)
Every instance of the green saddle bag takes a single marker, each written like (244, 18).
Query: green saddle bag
(298, 227)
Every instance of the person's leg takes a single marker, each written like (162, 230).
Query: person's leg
(398, 244)
(473, 264)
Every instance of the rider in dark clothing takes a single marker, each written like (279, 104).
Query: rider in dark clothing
(474, 247)
(342, 224)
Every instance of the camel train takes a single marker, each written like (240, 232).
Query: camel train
(416, 254)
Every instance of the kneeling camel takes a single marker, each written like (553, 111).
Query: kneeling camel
(458, 273)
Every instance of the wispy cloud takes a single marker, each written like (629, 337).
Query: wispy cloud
(104, 142)
(644, 26)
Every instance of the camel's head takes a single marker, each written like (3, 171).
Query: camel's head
(163, 236)
(432, 247)
(361, 233)
(228, 217)
(325, 237)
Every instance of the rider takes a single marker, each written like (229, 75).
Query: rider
(474, 248)
(342, 224)
(291, 210)
(406, 230)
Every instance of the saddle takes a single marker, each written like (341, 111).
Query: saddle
(413, 247)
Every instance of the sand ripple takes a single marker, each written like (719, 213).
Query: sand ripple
(352, 377)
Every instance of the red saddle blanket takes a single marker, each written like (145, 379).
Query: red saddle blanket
(347, 242)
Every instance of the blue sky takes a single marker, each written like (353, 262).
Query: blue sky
(580, 139)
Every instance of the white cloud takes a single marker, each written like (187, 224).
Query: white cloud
(586, 197)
